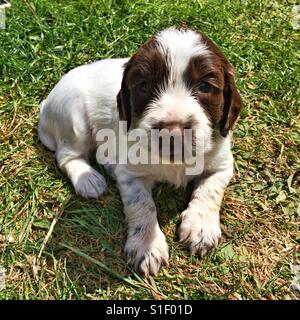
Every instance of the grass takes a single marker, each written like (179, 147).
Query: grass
(82, 258)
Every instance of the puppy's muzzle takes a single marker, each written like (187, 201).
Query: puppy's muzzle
(172, 139)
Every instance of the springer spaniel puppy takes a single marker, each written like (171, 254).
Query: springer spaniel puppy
(179, 79)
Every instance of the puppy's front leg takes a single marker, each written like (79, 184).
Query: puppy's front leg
(146, 247)
(200, 229)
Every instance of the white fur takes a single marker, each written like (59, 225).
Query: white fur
(179, 46)
(84, 101)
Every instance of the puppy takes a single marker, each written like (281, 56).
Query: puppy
(179, 79)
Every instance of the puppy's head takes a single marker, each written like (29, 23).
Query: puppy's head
(180, 79)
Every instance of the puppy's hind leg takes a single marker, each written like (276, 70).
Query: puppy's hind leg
(87, 182)
(62, 128)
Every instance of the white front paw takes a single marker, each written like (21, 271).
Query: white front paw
(145, 252)
(199, 232)
(90, 184)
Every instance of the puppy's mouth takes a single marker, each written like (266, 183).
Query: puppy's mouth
(173, 150)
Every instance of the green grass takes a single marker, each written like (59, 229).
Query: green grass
(82, 258)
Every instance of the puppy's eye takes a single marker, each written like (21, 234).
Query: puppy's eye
(205, 87)
(144, 87)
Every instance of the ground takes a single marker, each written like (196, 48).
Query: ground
(55, 245)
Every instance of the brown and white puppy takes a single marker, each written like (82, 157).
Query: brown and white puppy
(179, 79)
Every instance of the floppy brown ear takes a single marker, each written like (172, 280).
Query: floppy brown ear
(123, 99)
(233, 103)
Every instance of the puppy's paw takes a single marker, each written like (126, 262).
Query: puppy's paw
(147, 255)
(198, 232)
(90, 184)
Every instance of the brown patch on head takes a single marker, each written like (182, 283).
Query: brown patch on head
(143, 76)
(211, 77)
